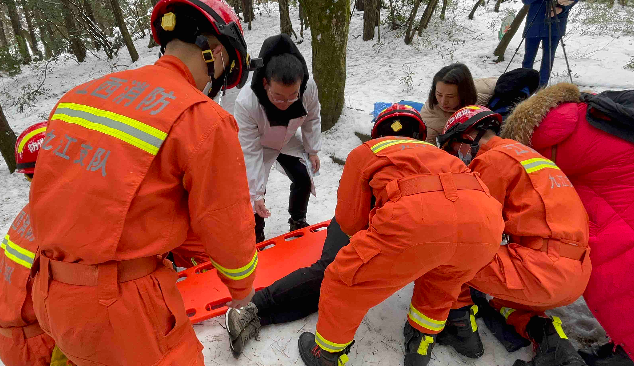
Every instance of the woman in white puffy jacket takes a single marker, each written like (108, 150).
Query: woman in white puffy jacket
(279, 121)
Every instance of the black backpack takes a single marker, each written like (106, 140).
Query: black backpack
(512, 88)
(612, 112)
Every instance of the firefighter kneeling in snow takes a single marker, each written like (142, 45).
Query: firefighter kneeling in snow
(433, 222)
(545, 263)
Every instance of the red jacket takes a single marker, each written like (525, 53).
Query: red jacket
(601, 168)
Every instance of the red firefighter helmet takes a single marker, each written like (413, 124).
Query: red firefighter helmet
(28, 146)
(225, 24)
(399, 120)
(466, 119)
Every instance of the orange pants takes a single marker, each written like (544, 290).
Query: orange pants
(425, 238)
(139, 322)
(526, 282)
(21, 351)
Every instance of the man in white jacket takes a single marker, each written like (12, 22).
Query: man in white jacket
(281, 102)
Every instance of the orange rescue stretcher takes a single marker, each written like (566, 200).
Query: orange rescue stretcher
(205, 295)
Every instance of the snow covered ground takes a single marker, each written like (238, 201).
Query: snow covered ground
(377, 71)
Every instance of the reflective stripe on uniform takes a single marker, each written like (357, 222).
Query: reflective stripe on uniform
(558, 328)
(28, 137)
(506, 312)
(387, 143)
(424, 321)
(423, 347)
(239, 273)
(535, 164)
(138, 134)
(329, 346)
(16, 253)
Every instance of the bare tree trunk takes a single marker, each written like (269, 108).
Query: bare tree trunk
(504, 42)
(17, 30)
(286, 26)
(409, 33)
(3, 36)
(301, 21)
(497, 6)
(7, 142)
(424, 20)
(330, 22)
(28, 15)
(48, 51)
(475, 7)
(393, 16)
(247, 11)
(152, 41)
(359, 5)
(118, 15)
(444, 9)
(369, 19)
(76, 44)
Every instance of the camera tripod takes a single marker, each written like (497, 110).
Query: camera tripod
(552, 9)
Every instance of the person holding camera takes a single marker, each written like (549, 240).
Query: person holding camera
(545, 24)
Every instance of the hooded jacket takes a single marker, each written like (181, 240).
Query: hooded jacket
(266, 131)
(601, 168)
(435, 118)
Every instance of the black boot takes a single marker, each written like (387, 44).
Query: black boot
(606, 355)
(313, 355)
(505, 333)
(552, 345)
(418, 346)
(297, 224)
(461, 332)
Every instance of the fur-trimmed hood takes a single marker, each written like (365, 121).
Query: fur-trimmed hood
(520, 125)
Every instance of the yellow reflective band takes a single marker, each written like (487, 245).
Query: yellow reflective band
(424, 345)
(535, 164)
(474, 311)
(385, 144)
(558, 328)
(329, 346)
(135, 133)
(343, 359)
(16, 253)
(28, 137)
(424, 321)
(239, 273)
(506, 312)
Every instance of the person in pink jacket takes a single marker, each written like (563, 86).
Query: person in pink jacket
(569, 128)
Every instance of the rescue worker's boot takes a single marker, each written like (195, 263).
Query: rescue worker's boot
(551, 344)
(297, 224)
(242, 325)
(461, 332)
(313, 355)
(606, 355)
(418, 346)
(505, 333)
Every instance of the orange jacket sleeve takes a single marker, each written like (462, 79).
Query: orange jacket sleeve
(219, 204)
(354, 197)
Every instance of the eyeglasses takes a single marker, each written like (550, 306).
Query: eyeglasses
(281, 101)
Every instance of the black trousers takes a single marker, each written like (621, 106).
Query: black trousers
(297, 295)
(300, 190)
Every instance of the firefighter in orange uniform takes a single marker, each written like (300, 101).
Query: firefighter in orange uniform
(131, 161)
(545, 263)
(22, 341)
(433, 222)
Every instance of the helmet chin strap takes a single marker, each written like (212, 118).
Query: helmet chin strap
(473, 149)
(212, 88)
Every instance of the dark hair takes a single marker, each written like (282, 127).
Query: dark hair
(456, 74)
(284, 68)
